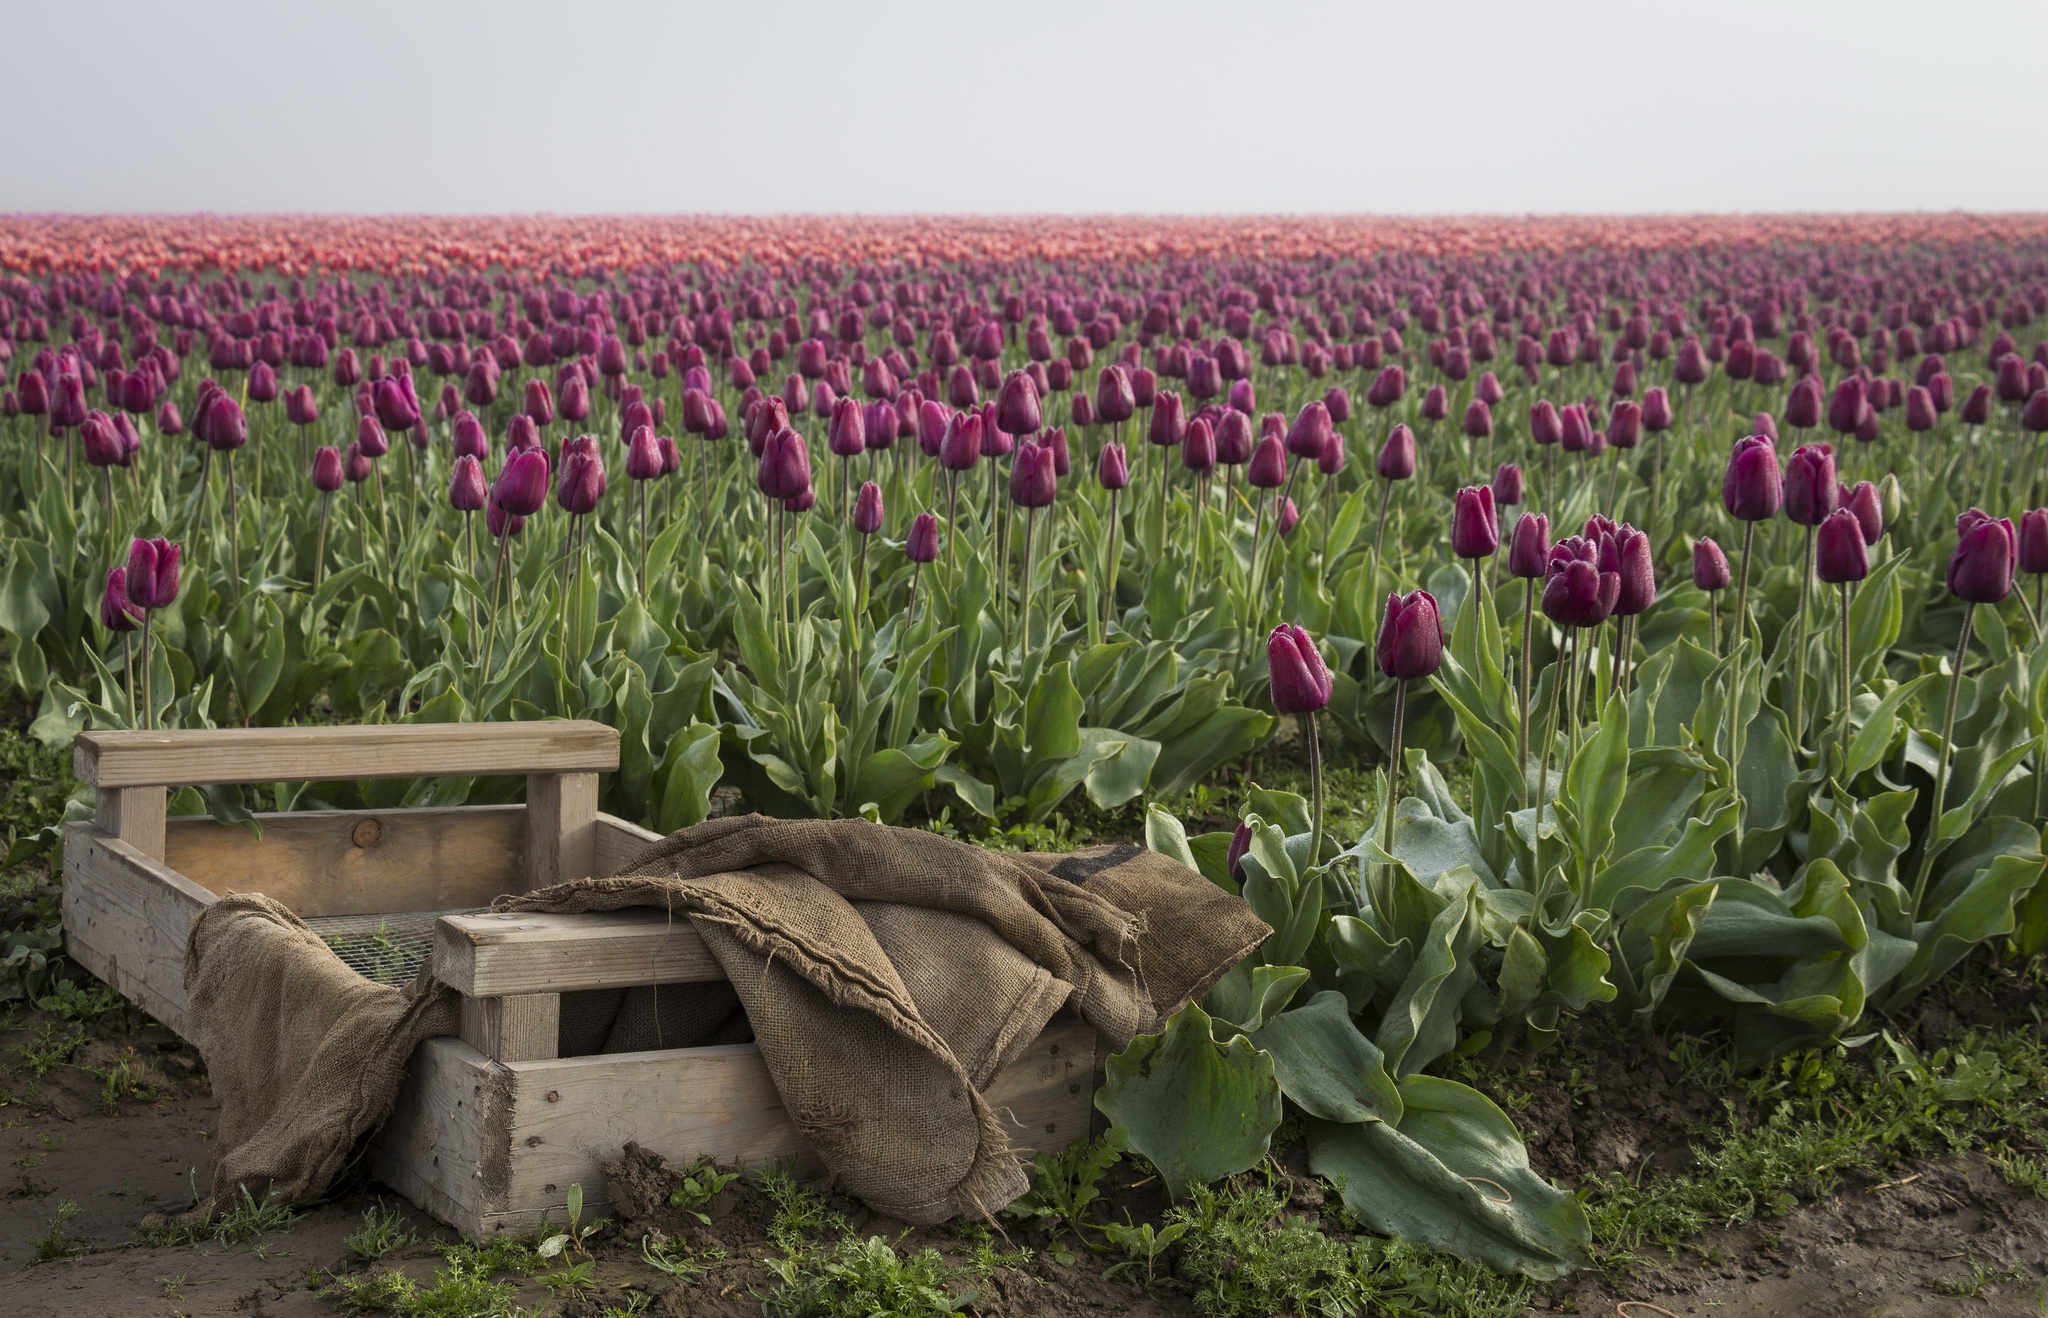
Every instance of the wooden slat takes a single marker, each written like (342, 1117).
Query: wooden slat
(133, 814)
(561, 827)
(126, 919)
(432, 1148)
(567, 1116)
(358, 862)
(495, 955)
(182, 757)
(618, 841)
(525, 1027)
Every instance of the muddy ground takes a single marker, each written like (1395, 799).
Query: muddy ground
(118, 1130)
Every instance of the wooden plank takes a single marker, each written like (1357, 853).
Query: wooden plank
(525, 1027)
(561, 828)
(135, 815)
(567, 1116)
(358, 862)
(181, 757)
(618, 841)
(127, 918)
(432, 1147)
(527, 952)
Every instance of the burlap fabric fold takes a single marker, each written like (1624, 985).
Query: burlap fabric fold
(887, 974)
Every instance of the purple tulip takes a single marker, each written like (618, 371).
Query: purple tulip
(522, 485)
(1475, 530)
(922, 546)
(1980, 570)
(784, 471)
(1867, 503)
(867, 509)
(1809, 484)
(1753, 489)
(1625, 552)
(644, 459)
(1114, 401)
(960, 448)
(1397, 456)
(1032, 480)
(1529, 547)
(152, 579)
(1268, 468)
(327, 473)
(1017, 410)
(582, 482)
(1411, 639)
(1576, 593)
(1710, 570)
(2032, 557)
(466, 490)
(118, 613)
(1546, 426)
(847, 436)
(1300, 680)
(1840, 554)
(1657, 415)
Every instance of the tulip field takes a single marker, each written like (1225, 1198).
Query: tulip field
(1666, 593)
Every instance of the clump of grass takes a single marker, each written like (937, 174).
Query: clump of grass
(858, 1278)
(244, 1219)
(384, 1229)
(58, 1242)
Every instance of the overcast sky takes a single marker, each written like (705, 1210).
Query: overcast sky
(894, 106)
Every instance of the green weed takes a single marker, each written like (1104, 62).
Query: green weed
(384, 1229)
(860, 1278)
(57, 1242)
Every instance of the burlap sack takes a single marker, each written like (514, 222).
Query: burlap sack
(305, 1055)
(887, 974)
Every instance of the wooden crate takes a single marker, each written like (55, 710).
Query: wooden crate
(492, 1127)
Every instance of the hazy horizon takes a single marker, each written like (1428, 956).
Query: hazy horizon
(1116, 107)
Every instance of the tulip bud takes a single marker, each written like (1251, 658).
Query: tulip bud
(1233, 856)
(501, 523)
(466, 492)
(1300, 680)
(1290, 517)
(1625, 552)
(582, 481)
(356, 465)
(784, 471)
(1529, 546)
(1113, 469)
(1920, 413)
(1752, 488)
(2011, 378)
(103, 446)
(1478, 419)
(327, 473)
(1475, 531)
(2033, 542)
(643, 455)
(1436, 403)
(226, 427)
(1577, 428)
(1337, 401)
(1387, 387)
(152, 578)
(1868, 506)
(922, 546)
(847, 435)
(1198, 450)
(960, 449)
(1545, 425)
(1840, 555)
(1980, 570)
(1977, 408)
(1507, 485)
(522, 485)
(1709, 565)
(867, 509)
(1397, 456)
(1411, 639)
(1032, 480)
(1625, 427)
(1114, 401)
(1168, 425)
(1849, 406)
(2034, 416)
(1017, 409)
(1809, 484)
(118, 613)
(1268, 469)
(1657, 415)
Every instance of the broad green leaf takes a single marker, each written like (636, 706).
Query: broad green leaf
(1199, 1110)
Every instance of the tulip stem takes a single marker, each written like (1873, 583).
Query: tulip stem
(1024, 632)
(1109, 568)
(1802, 628)
(1714, 620)
(1393, 772)
(128, 671)
(1948, 732)
(1165, 489)
(640, 487)
(1842, 712)
(1315, 778)
(1522, 729)
(1379, 537)
(497, 579)
(953, 528)
(148, 693)
(320, 552)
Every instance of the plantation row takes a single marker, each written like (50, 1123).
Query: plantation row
(1699, 564)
